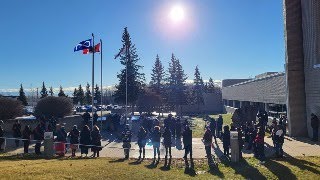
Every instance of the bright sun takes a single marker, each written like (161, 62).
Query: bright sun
(177, 13)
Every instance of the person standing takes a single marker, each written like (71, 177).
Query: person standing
(74, 140)
(155, 138)
(85, 139)
(16, 129)
(187, 143)
(219, 126)
(226, 140)
(213, 127)
(95, 118)
(259, 141)
(86, 118)
(178, 128)
(240, 140)
(96, 141)
(142, 140)
(167, 143)
(26, 136)
(279, 140)
(315, 126)
(1, 135)
(61, 140)
(207, 141)
(38, 134)
(126, 140)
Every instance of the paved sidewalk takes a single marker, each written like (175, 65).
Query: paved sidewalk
(113, 148)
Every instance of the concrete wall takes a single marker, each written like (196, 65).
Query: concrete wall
(295, 79)
(68, 120)
(311, 46)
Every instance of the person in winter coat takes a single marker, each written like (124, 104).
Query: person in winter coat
(240, 140)
(61, 139)
(86, 117)
(85, 139)
(259, 141)
(26, 135)
(178, 128)
(279, 140)
(74, 140)
(226, 140)
(167, 143)
(219, 126)
(213, 127)
(126, 140)
(38, 134)
(142, 140)
(1, 135)
(95, 118)
(187, 143)
(155, 138)
(315, 126)
(16, 129)
(96, 140)
(207, 141)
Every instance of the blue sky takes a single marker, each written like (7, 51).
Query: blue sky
(225, 38)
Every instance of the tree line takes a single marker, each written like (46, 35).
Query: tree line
(167, 88)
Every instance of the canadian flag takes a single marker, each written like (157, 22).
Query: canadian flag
(96, 49)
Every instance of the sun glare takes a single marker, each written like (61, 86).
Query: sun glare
(177, 13)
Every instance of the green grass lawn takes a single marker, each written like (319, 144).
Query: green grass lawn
(105, 168)
(199, 123)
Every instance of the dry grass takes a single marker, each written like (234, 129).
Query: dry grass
(105, 168)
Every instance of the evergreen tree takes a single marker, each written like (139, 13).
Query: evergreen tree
(61, 92)
(43, 92)
(210, 86)
(51, 91)
(135, 79)
(80, 95)
(22, 96)
(176, 89)
(198, 88)
(97, 94)
(88, 96)
(75, 96)
(157, 76)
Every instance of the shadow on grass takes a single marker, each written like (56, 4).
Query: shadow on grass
(118, 160)
(243, 168)
(302, 164)
(280, 170)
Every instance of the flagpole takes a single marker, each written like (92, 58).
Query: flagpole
(92, 88)
(101, 83)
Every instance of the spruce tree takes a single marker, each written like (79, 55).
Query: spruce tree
(88, 96)
(210, 86)
(198, 87)
(176, 89)
(135, 78)
(157, 76)
(22, 96)
(43, 92)
(51, 91)
(75, 96)
(97, 94)
(80, 95)
(61, 92)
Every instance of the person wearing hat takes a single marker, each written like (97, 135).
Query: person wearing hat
(26, 135)
(1, 135)
(74, 140)
(126, 139)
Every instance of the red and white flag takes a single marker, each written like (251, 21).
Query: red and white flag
(96, 49)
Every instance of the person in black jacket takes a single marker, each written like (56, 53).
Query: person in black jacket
(142, 140)
(95, 118)
(16, 129)
(178, 128)
(187, 143)
(167, 143)
(126, 140)
(1, 135)
(38, 134)
(155, 138)
(74, 140)
(315, 126)
(86, 118)
(85, 139)
(279, 140)
(213, 127)
(26, 135)
(96, 140)
(219, 126)
(226, 140)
